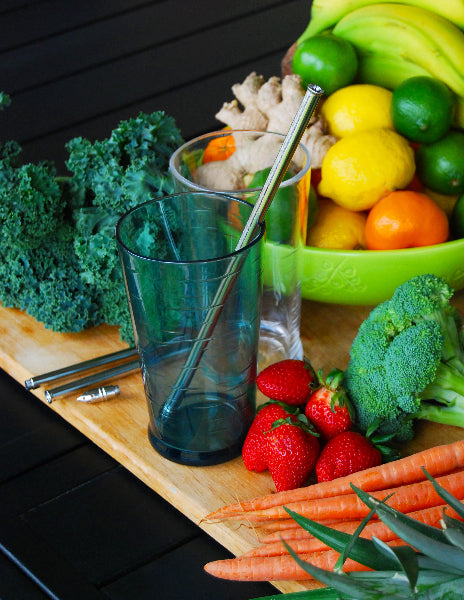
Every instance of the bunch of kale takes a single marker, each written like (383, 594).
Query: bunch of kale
(58, 255)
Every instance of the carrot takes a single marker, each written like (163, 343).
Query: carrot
(308, 543)
(438, 460)
(285, 524)
(405, 498)
(283, 568)
(428, 516)
(304, 546)
(275, 568)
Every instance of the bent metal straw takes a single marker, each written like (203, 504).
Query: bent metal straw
(276, 174)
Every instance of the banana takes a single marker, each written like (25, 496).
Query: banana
(387, 71)
(326, 13)
(409, 32)
(390, 71)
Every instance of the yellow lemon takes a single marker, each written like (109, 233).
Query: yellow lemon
(356, 108)
(337, 227)
(363, 167)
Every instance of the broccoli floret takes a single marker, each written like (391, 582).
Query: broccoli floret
(406, 362)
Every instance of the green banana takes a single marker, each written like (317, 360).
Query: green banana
(386, 71)
(390, 71)
(326, 13)
(411, 33)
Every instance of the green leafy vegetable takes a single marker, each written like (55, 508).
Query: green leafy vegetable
(58, 256)
(407, 361)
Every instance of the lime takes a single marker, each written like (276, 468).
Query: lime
(440, 166)
(356, 108)
(327, 61)
(422, 109)
(280, 218)
(457, 219)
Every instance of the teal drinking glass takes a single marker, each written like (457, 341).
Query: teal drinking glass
(176, 252)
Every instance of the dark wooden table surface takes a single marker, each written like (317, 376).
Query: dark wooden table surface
(74, 524)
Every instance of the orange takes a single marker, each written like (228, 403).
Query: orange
(405, 219)
(219, 148)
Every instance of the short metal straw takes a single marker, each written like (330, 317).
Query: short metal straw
(276, 174)
(124, 368)
(35, 382)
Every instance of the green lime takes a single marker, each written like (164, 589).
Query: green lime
(440, 166)
(457, 219)
(325, 60)
(422, 109)
(280, 217)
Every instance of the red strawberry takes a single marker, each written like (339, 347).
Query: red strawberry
(288, 380)
(291, 454)
(328, 408)
(344, 454)
(253, 447)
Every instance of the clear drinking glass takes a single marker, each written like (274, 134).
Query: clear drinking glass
(237, 163)
(175, 253)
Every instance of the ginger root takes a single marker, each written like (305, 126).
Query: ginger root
(270, 106)
(261, 105)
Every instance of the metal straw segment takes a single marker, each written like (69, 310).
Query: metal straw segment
(276, 174)
(35, 382)
(96, 378)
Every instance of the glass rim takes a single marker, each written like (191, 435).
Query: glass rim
(223, 133)
(260, 229)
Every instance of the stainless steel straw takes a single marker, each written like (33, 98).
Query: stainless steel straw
(38, 380)
(276, 174)
(66, 388)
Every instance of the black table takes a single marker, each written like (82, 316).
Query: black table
(74, 524)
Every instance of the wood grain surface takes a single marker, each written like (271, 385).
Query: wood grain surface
(119, 426)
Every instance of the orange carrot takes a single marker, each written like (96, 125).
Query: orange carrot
(304, 546)
(405, 498)
(284, 524)
(283, 568)
(275, 568)
(428, 516)
(438, 460)
(378, 529)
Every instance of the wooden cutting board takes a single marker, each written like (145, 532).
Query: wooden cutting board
(119, 426)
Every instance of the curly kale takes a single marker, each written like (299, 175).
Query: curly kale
(30, 205)
(46, 283)
(407, 361)
(59, 256)
(118, 173)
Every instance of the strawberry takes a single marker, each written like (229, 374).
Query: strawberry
(253, 447)
(328, 408)
(288, 380)
(291, 452)
(346, 453)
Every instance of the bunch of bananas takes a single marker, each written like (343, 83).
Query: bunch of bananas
(400, 40)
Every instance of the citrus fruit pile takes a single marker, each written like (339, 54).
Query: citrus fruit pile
(395, 176)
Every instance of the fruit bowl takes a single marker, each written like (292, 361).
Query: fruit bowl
(368, 277)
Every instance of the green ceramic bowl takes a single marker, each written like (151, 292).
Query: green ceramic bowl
(366, 277)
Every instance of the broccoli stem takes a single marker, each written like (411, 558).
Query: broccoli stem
(448, 383)
(443, 400)
(445, 415)
(452, 350)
